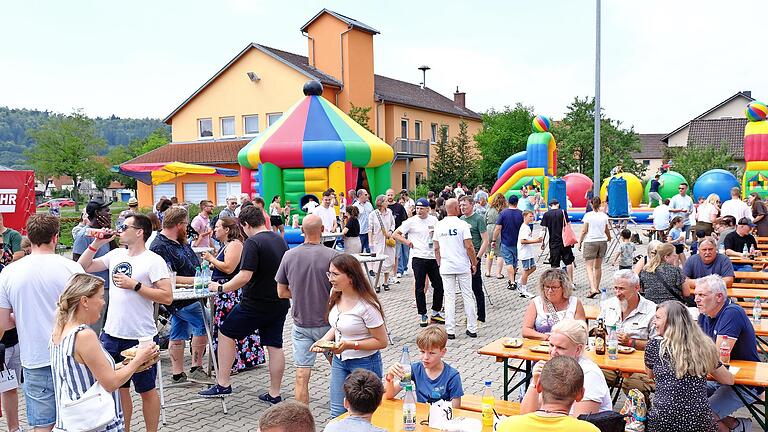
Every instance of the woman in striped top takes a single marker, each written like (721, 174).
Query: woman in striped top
(77, 358)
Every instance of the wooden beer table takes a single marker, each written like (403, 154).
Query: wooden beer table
(389, 416)
(748, 376)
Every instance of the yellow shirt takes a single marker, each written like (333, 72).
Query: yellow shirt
(535, 423)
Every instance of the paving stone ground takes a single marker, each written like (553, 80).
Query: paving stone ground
(504, 315)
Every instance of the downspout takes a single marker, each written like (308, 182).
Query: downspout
(313, 47)
(341, 52)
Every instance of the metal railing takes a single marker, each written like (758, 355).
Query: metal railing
(411, 147)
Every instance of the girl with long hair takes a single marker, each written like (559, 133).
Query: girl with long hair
(276, 215)
(357, 331)
(351, 231)
(680, 361)
(759, 213)
(226, 264)
(498, 204)
(381, 225)
(78, 360)
(661, 279)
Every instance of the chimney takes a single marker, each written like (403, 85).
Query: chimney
(747, 93)
(460, 98)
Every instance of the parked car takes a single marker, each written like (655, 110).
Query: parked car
(63, 202)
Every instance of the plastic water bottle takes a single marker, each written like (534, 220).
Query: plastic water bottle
(603, 302)
(757, 310)
(721, 249)
(613, 344)
(206, 273)
(488, 403)
(198, 280)
(405, 362)
(745, 250)
(409, 408)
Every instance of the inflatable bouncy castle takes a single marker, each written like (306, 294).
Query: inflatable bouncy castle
(531, 167)
(314, 146)
(756, 150)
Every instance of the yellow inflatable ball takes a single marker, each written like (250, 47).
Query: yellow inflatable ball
(634, 187)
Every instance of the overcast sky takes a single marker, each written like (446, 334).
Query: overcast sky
(664, 61)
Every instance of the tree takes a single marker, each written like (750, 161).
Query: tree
(693, 161)
(504, 133)
(575, 142)
(66, 146)
(444, 166)
(360, 115)
(465, 156)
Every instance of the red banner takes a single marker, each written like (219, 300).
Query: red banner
(17, 198)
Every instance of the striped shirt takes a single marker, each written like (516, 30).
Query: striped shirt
(73, 379)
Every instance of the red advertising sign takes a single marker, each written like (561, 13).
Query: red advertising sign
(17, 198)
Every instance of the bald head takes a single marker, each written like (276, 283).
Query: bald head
(452, 207)
(312, 226)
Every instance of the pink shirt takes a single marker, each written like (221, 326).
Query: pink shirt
(202, 224)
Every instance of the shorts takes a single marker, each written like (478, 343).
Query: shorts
(562, 253)
(243, 322)
(275, 221)
(509, 254)
(303, 338)
(13, 361)
(529, 263)
(595, 250)
(723, 398)
(39, 396)
(187, 321)
(143, 381)
(679, 248)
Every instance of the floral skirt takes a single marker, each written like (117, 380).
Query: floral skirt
(250, 353)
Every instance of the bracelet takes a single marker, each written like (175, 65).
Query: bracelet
(93, 249)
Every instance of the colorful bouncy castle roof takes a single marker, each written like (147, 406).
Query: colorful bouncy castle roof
(314, 133)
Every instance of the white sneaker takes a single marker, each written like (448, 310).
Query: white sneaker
(745, 425)
(392, 281)
(399, 275)
(525, 293)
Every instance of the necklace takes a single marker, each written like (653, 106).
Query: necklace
(552, 412)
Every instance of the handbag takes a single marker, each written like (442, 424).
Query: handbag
(93, 410)
(569, 237)
(389, 241)
(606, 421)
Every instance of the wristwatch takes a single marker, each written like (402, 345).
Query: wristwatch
(220, 288)
(137, 287)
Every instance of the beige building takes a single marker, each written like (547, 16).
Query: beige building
(731, 108)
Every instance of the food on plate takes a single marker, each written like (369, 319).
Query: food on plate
(512, 342)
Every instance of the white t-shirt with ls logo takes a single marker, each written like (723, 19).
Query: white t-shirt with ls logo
(450, 233)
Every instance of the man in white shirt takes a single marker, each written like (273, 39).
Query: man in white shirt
(29, 291)
(363, 204)
(455, 255)
(139, 278)
(661, 216)
(420, 229)
(735, 206)
(327, 215)
(682, 205)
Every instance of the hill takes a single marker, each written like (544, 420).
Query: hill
(14, 124)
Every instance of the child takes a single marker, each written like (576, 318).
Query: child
(626, 253)
(676, 237)
(700, 234)
(362, 395)
(433, 378)
(310, 205)
(526, 250)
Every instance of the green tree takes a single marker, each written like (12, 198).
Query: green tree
(575, 142)
(504, 133)
(693, 161)
(444, 167)
(465, 156)
(361, 115)
(66, 145)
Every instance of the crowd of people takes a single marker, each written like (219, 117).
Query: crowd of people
(67, 328)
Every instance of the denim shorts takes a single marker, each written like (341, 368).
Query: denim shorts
(303, 338)
(724, 400)
(529, 263)
(143, 381)
(39, 395)
(509, 254)
(340, 370)
(187, 321)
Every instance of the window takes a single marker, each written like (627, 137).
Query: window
(404, 129)
(419, 178)
(167, 190)
(223, 190)
(447, 130)
(227, 126)
(251, 124)
(646, 162)
(195, 192)
(434, 132)
(205, 127)
(404, 181)
(417, 130)
(273, 117)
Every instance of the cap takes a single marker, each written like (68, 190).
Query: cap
(94, 205)
(513, 199)
(133, 201)
(745, 221)
(422, 202)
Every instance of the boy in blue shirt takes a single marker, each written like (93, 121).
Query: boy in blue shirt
(433, 378)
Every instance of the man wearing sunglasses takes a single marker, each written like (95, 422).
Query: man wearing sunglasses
(682, 205)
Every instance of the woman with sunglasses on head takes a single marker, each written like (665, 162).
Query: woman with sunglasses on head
(226, 264)
(357, 324)
(554, 303)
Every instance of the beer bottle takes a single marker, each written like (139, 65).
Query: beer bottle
(600, 337)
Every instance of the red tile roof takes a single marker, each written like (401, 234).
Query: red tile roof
(202, 152)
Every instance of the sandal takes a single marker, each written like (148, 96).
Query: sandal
(386, 287)
(593, 294)
(487, 275)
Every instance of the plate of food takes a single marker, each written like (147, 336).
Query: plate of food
(544, 349)
(512, 342)
(326, 344)
(130, 353)
(626, 350)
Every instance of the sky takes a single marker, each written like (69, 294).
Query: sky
(663, 61)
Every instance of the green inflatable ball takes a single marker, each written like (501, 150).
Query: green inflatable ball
(670, 181)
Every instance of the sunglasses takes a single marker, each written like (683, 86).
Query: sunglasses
(123, 227)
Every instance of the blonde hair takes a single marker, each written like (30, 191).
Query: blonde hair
(575, 330)
(684, 345)
(555, 275)
(713, 199)
(434, 336)
(662, 251)
(79, 285)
